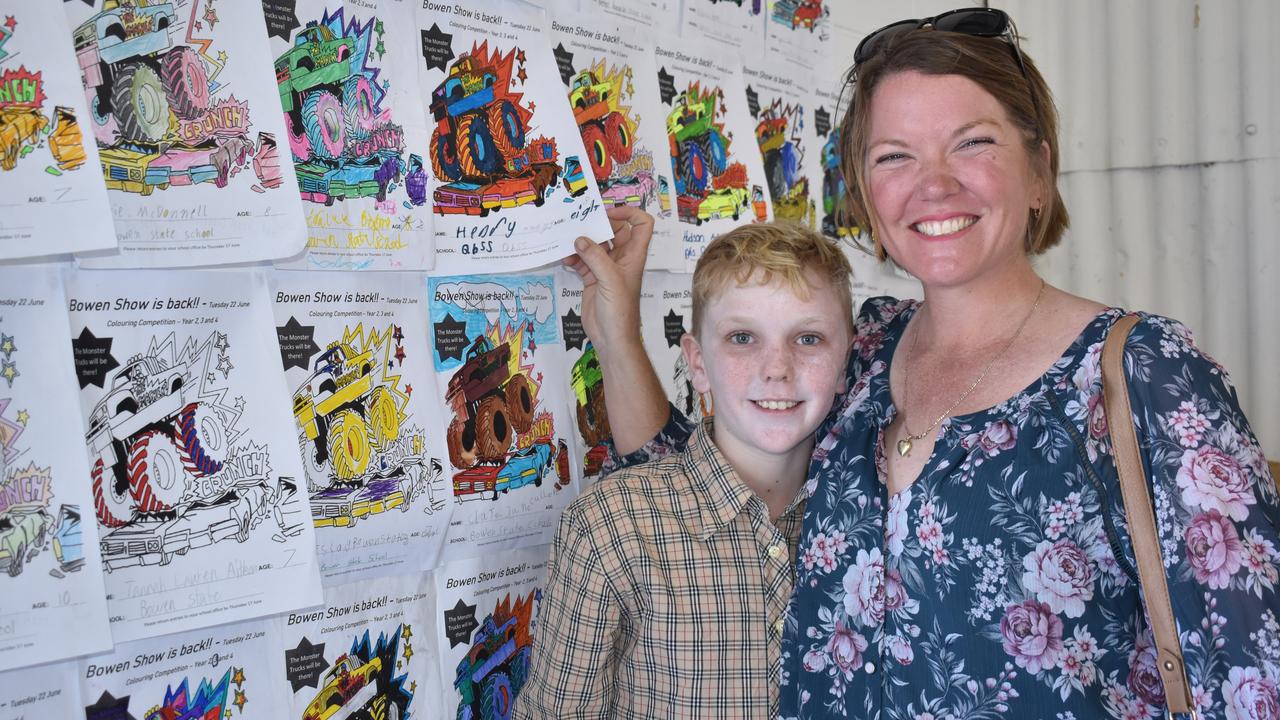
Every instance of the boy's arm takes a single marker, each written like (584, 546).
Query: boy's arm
(574, 662)
(611, 279)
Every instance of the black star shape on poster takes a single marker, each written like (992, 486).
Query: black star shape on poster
(437, 47)
(753, 102)
(822, 122)
(451, 338)
(297, 343)
(109, 708)
(459, 622)
(304, 664)
(564, 61)
(673, 328)
(571, 327)
(281, 16)
(666, 86)
(93, 358)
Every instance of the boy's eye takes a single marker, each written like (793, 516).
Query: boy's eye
(740, 338)
(809, 339)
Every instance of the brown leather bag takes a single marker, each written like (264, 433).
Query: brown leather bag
(1142, 521)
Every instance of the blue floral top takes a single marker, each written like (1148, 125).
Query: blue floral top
(1001, 584)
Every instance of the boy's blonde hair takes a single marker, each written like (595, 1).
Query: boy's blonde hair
(781, 251)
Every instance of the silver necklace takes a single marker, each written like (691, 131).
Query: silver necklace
(904, 445)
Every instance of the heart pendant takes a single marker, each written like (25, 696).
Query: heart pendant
(904, 447)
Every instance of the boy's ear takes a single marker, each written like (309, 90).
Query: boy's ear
(697, 366)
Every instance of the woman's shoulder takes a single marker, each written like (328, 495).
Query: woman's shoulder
(884, 309)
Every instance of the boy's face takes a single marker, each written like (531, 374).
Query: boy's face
(773, 362)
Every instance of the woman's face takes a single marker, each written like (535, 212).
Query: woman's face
(950, 178)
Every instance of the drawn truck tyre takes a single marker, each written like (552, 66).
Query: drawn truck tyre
(384, 417)
(495, 697)
(716, 155)
(202, 440)
(461, 439)
(506, 128)
(476, 152)
(519, 396)
(111, 501)
(493, 429)
(139, 103)
(693, 165)
(186, 83)
(593, 139)
(324, 122)
(444, 156)
(349, 445)
(357, 106)
(157, 477)
(618, 134)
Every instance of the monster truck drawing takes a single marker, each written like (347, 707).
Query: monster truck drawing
(362, 684)
(699, 153)
(637, 189)
(343, 415)
(606, 132)
(479, 148)
(833, 189)
(494, 670)
(588, 388)
(67, 546)
(798, 13)
(491, 401)
(134, 74)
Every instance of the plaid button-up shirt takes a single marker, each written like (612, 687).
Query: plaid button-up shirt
(665, 597)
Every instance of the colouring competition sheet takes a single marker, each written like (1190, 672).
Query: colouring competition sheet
(500, 374)
(197, 487)
(719, 181)
(828, 108)
(48, 161)
(782, 107)
(364, 653)
(796, 33)
(347, 77)
(514, 189)
(585, 379)
(729, 23)
(485, 612)
(52, 584)
(667, 309)
(662, 15)
(612, 84)
(222, 673)
(187, 119)
(359, 370)
(37, 693)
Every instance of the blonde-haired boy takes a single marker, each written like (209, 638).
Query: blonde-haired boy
(668, 581)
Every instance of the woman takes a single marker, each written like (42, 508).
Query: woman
(964, 552)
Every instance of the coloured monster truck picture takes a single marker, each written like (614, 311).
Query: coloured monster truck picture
(778, 133)
(225, 699)
(797, 14)
(708, 185)
(601, 102)
(26, 123)
(365, 683)
(498, 437)
(172, 470)
(833, 190)
(490, 676)
(587, 382)
(481, 149)
(361, 456)
(335, 99)
(159, 113)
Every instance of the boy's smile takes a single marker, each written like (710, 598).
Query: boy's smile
(773, 363)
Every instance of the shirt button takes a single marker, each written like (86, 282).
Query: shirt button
(777, 626)
(870, 667)
(775, 551)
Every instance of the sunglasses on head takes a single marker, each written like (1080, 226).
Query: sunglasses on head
(977, 22)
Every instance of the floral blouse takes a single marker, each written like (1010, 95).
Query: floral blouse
(1002, 583)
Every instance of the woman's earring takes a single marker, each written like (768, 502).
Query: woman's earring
(1035, 214)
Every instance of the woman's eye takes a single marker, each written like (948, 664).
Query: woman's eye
(973, 142)
(890, 157)
(740, 338)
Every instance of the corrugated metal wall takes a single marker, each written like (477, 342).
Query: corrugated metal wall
(1171, 156)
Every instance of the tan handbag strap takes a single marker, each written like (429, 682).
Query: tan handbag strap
(1142, 521)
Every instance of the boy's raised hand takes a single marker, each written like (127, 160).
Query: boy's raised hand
(611, 278)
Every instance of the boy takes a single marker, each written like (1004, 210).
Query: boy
(668, 581)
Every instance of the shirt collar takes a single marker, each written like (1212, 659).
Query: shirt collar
(719, 494)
